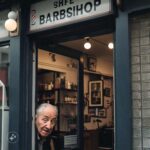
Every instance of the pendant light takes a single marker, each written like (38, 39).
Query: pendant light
(87, 44)
(111, 45)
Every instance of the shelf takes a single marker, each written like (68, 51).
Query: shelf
(47, 99)
(58, 89)
(68, 103)
(92, 72)
(96, 73)
(45, 91)
(65, 89)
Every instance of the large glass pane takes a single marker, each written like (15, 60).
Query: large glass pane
(98, 91)
(4, 110)
(57, 84)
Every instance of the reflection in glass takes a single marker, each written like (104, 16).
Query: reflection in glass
(4, 109)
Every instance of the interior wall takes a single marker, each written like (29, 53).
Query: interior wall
(70, 68)
(69, 65)
(105, 64)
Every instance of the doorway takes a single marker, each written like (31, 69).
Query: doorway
(4, 95)
(57, 84)
(98, 89)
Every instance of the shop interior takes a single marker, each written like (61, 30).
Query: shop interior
(57, 83)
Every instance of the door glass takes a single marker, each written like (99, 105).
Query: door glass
(4, 110)
(57, 85)
(98, 91)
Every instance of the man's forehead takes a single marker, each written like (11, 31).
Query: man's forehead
(48, 112)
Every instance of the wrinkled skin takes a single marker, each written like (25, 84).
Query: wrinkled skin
(45, 121)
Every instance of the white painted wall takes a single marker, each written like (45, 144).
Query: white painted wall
(62, 64)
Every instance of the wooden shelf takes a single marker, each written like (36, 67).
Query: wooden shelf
(92, 72)
(65, 89)
(47, 99)
(58, 89)
(68, 103)
(97, 73)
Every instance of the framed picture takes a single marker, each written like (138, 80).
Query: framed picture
(96, 93)
(92, 63)
(107, 92)
(102, 113)
(92, 111)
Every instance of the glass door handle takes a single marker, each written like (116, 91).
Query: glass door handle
(4, 99)
(4, 120)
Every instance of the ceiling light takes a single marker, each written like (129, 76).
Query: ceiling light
(111, 45)
(87, 44)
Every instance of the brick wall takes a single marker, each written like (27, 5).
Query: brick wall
(140, 69)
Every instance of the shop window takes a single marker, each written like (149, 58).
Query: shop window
(4, 109)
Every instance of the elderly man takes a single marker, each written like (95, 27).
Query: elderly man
(45, 120)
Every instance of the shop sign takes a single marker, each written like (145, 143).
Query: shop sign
(3, 17)
(54, 13)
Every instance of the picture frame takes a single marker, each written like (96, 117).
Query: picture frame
(92, 112)
(92, 63)
(102, 113)
(96, 93)
(107, 92)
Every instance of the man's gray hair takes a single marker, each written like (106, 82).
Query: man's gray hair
(45, 105)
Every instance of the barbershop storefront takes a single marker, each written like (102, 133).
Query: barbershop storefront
(67, 74)
(44, 61)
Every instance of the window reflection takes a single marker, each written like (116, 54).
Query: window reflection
(4, 63)
(4, 109)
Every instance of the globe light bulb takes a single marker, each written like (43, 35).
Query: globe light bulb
(87, 45)
(110, 45)
(10, 25)
(12, 15)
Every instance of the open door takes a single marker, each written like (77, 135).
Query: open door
(4, 108)
(80, 84)
(56, 79)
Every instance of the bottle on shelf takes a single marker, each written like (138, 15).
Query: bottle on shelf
(62, 81)
(50, 86)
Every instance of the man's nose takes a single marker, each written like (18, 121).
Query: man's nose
(49, 125)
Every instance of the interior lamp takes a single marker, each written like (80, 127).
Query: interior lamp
(87, 44)
(10, 23)
(110, 45)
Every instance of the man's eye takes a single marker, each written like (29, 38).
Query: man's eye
(53, 121)
(45, 119)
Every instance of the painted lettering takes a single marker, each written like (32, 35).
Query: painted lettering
(42, 19)
(69, 12)
(55, 4)
(62, 14)
(79, 8)
(48, 18)
(60, 3)
(88, 7)
(55, 15)
(96, 3)
(71, 2)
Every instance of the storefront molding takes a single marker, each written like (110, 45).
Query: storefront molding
(123, 100)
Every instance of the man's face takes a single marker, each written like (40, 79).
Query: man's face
(45, 121)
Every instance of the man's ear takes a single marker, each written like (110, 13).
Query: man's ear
(35, 117)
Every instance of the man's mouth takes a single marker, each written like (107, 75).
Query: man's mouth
(45, 132)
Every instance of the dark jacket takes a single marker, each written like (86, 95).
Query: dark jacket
(45, 143)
